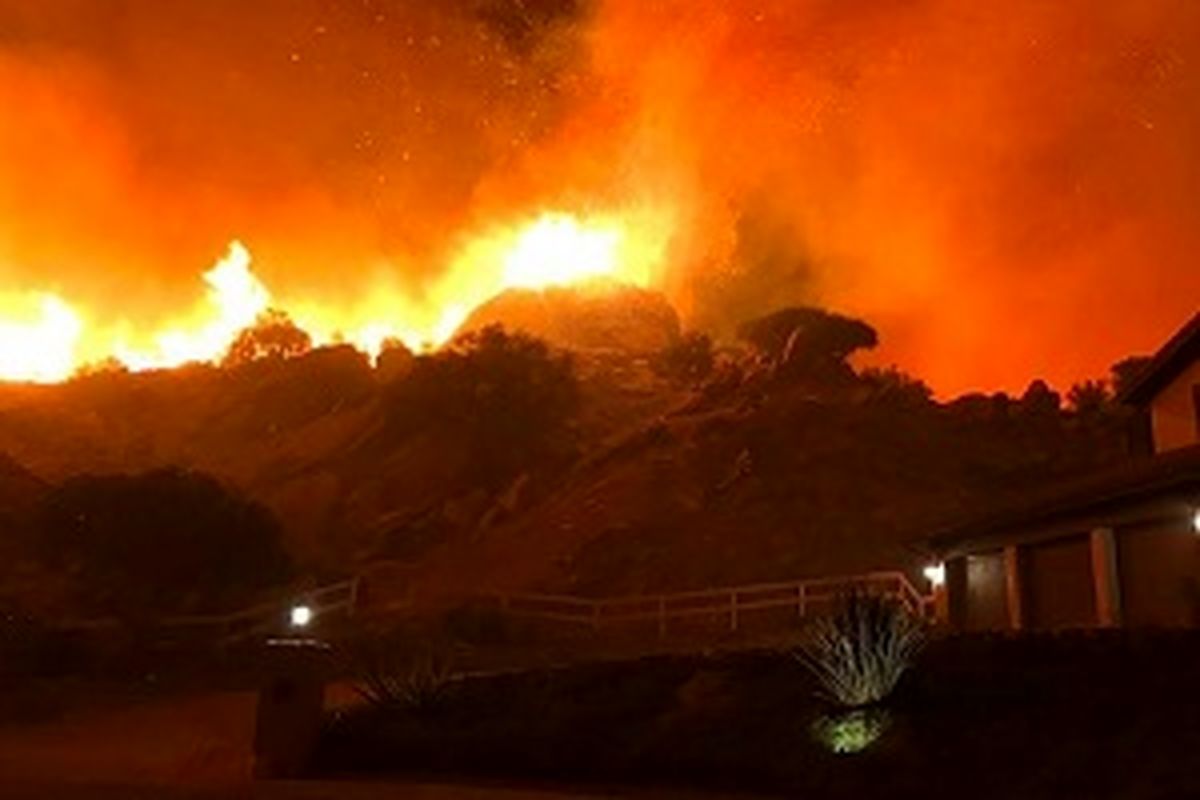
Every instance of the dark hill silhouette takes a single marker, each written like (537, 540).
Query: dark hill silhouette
(645, 482)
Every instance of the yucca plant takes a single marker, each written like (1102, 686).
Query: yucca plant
(859, 652)
(394, 679)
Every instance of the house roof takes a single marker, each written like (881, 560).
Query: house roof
(1174, 472)
(1180, 351)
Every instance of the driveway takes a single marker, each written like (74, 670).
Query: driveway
(197, 746)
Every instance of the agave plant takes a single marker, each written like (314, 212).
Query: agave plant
(395, 679)
(859, 652)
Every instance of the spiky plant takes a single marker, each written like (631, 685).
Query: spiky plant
(418, 683)
(860, 650)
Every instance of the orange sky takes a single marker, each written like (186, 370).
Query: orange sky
(1006, 190)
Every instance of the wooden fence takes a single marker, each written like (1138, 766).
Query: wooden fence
(728, 605)
(335, 599)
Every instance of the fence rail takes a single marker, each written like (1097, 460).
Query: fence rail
(728, 603)
(270, 617)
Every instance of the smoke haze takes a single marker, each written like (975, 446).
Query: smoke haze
(1006, 190)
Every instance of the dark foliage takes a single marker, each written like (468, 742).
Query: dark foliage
(398, 676)
(395, 360)
(1089, 398)
(167, 541)
(508, 396)
(1072, 715)
(1040, 400)
(809, 342)
(273, 335)
(1126, 371)
(891, 386)
(688, 360)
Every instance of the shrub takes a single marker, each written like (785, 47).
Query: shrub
(273, 335)
(811, 340)
(392, 678)
(687, 360)
(508, 395)
(167, 541)
(859, 652)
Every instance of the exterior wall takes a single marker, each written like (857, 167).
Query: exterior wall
(1160, 567)
(1059, 587)
(986, 607)
(1173, 413)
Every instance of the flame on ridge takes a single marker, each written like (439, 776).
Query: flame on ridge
(44, 338)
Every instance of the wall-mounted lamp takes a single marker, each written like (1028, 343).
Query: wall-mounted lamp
(300, 616)
(935, 574)
(1196, 520)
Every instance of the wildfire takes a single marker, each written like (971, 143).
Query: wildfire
(236, 298)
(558, 251)
(43, 338)
(38, 346)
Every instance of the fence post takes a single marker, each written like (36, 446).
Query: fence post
(733, 611)
(800, 609)
(353, 595)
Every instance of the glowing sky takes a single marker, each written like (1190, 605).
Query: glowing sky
(1005, 189)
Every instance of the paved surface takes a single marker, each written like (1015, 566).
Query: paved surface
(196, 747)
(303, 791)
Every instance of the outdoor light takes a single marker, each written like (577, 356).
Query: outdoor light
(851, 731)
(936, 574)
(301, 616)
(1196, 520)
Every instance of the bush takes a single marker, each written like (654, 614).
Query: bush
(688, 360)
(392, 677)
(273, 335)
(859, 652)
(811, 341)
(168, 541)
(507, 395)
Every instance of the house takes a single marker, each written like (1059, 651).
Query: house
(1167, 391)
(1117, 548)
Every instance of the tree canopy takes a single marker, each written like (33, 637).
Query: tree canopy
(509, 394)
(809, 341)
(166, 541)
(273, 335)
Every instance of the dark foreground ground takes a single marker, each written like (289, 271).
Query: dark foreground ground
(1096, 715)
(104, 740)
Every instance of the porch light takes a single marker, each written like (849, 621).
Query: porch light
(300, 616)
(935, 574)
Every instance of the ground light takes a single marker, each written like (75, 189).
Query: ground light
(851, 731)
(300, 616)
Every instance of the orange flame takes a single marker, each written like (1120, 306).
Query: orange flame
(53, 340)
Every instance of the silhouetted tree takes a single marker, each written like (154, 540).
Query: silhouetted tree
(273, 335)
(166, 541)
(809, 342)
(395, 360)
(1126, 371)
(1040, 400)
(1089, 398)
(688, 360)
(892, 385)
(508, 394)
(109, 365)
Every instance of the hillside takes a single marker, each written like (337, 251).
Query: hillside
(654, 483)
